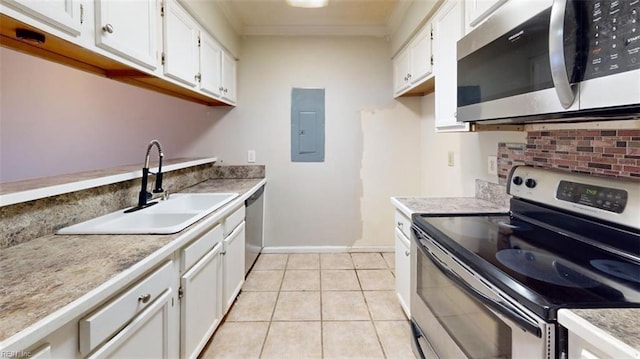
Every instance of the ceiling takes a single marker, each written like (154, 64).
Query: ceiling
(340, 17)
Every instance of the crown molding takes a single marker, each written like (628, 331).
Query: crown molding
(231, 16)
(375, 31)
(396, 17)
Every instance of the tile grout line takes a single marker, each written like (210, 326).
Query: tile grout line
(264, 342)
(375, 329)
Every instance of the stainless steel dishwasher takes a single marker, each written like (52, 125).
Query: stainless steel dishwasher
(253, 223)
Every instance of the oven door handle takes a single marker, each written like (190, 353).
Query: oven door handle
(499, 306)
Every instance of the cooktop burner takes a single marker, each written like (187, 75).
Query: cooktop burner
(618, 269)
(545, 267)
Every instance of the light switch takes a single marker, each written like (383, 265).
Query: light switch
(451, 159)
(251, 156)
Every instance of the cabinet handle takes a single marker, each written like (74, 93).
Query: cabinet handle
(406, 253)
(144, 299)
(226, 90)
(198, 77)
(108, 28)
(400, 224)
(221, 89)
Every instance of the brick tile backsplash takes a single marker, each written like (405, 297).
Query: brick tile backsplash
(509, 155)
(600, 152)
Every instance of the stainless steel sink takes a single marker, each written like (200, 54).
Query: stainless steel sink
(168, 216)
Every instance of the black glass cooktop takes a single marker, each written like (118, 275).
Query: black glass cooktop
(543, 269)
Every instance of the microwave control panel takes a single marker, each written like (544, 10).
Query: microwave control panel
(613, 30)
(608, 199)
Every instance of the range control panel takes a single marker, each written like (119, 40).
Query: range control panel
(612, 199)
(613, 30)
(608, 199)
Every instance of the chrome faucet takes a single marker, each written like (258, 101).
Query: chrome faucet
(144, 195)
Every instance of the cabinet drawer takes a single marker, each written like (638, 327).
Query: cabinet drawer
(403, 223)
(196, 250)
(104, 322)
(232, 221)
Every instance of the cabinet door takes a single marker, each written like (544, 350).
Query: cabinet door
(447, 30)
(476, 11)
(64, 15)
(228, 78)
(403, 271)
(233, 265)
(421, 55)
(401, 72)
(180, 44)
(146, 336)
(201, 304)
(210, 65)
(128, 29)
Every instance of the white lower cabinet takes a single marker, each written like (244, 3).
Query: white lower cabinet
(171, 311)
(233, 264)
(201, 302)
(147, 336)
(136, 323)
(402, 271)
(403, 262)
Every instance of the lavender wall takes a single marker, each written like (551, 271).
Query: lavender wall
(56, 120)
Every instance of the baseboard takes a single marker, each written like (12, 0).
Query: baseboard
(326, 249)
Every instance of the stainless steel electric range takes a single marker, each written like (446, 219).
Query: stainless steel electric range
(489, 285)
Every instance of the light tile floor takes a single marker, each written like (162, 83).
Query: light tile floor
(327, 305)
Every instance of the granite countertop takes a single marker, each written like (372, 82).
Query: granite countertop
(44, 275)
(410, 205)
(621, 324)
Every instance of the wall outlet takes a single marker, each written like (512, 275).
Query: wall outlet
(492, 165)
(251, 156)
(451, 159)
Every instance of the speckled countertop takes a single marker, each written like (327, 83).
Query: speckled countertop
(410, 205)
(621, 324)
(44, 275)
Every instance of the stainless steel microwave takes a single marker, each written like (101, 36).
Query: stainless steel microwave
(552, 59)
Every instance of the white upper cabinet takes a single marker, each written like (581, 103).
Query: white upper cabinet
(477, 11)
(420, 50)
(401, 70)
(413, 65)
(181, 55)
(448, 28)
(194, 57)
(128, 29)
(64, 15)
(228, 85)
(210, 65)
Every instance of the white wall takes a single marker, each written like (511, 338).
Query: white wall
(470, 149)
(307, 204)
(56, 120)
(390, 166)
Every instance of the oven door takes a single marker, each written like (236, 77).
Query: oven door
(458, 315)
